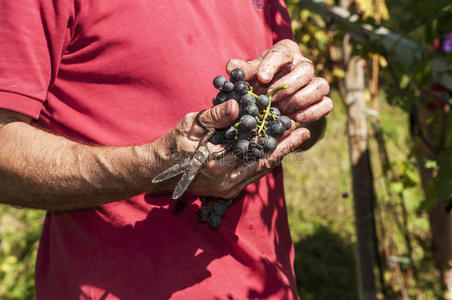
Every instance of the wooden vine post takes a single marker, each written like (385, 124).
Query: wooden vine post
(362, 178)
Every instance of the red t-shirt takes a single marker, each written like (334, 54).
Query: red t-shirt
(121, 73)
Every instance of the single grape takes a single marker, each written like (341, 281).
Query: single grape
(248, 122)
(220, 208)
(285, 120)
(241, 87)
(228, 87)
(252, 110)
(217, 138)
(270, 143)
(237, 75)
(233, 95)
(241, 147)
(276, 129)
(255, 152)
(221, 97)
(248, 99)
(219, 81)
(243, 135)
(230, 133)
(214, 220)
(274, 111)
(216, 101)
(262, 102)
(204, 213)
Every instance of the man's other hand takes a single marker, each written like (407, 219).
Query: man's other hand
(305, 100)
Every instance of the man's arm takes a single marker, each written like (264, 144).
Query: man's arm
(42, 170)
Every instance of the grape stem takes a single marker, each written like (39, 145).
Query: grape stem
(267, 109)
(252, 93)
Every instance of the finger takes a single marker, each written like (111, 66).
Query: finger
(280, 55)
(313, 92)
(222, 115)
(314, 112)
(249, 67)
(300, 76)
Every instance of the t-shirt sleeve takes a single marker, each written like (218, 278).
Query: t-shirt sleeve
(281, 26)
(33, 35)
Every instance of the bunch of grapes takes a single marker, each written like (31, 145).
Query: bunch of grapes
(254, 133)
(258, 125)
(212, 210)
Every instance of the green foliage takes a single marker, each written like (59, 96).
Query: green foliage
(440, 189)
(19, 231)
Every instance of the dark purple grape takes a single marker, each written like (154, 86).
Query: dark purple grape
(248, 99)
(221, 97)
(252, 110)
(230, 133)
(214, 220)
(285, 120)
(255, 152)
(270, 143)
(276, 129)
(262, 102)
(241, 112)
(228, 87)
(233, 95)
(216, 101)
(220, 208)
(219, 81)
(241, 147)
(237, 75)
(243, 135)
(248, 122)
(241, 87)
(204, 213)
(217, 138)
(274, 111)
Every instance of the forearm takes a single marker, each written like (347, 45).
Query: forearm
(41, 170)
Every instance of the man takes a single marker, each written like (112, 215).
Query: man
(124, 74)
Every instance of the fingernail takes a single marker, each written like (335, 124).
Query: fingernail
(306, 135)
(265, 75)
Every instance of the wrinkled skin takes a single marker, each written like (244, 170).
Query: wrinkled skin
(305, 100)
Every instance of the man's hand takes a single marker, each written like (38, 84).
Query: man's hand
(305, 100)
(228, 176)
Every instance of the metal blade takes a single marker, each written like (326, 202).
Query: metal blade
(171, 172)
(196, 163)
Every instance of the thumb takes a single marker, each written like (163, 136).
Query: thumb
(222, 115)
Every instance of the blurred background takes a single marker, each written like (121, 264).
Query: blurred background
(369, 205)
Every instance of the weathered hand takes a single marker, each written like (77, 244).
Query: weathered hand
(228, 176)
(305, 100)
